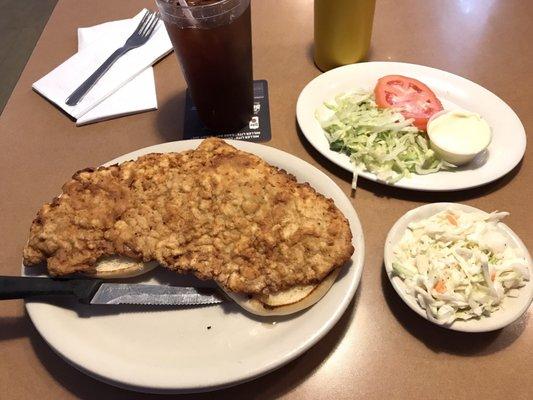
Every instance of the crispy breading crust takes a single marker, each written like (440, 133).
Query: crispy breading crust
(216, 211)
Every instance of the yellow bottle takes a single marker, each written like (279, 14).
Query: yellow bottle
(342, 31)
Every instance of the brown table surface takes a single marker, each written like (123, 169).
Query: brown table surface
(379, 349)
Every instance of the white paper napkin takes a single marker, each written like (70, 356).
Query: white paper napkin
(136, 96)
(57, 85)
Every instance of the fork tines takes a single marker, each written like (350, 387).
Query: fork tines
(147, 24)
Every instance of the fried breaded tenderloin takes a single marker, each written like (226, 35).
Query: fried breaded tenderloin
(216, 211)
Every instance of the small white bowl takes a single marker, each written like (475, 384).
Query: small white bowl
(456, 158)
(511, 308)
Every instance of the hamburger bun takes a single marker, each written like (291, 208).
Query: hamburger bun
(120, 267)
(285, 302)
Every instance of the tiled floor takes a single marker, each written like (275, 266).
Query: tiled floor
(21, 23)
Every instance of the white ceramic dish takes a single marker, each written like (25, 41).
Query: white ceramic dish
(512, 308)
(173, 351)
(460, 154)
(504, 153)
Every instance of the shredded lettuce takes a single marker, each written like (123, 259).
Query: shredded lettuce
(380, 141)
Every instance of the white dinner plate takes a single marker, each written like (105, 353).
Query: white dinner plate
(198, 349)
(511, 308)
(504, 153)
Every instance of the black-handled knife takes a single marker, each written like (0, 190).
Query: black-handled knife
(96, 291)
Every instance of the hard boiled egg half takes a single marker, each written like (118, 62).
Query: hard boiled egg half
(458, 136)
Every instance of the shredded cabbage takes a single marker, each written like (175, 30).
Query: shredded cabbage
(377, 140)
(459, 265)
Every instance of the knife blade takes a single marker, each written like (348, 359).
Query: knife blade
(131, 293)
(95, 291)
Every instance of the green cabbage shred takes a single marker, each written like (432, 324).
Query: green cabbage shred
(380, 141)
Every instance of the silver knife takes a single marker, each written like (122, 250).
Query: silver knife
(96, 291)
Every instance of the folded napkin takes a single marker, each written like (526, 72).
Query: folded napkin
(129, 73)
(136, 96)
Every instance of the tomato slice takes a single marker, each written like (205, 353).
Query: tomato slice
(410, 96)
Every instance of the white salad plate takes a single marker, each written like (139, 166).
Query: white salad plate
(165, 350)
(504, 153)
(511, 308)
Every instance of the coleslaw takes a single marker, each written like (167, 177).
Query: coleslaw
(459, 265)
(377, 140)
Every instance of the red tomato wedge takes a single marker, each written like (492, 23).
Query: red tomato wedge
(411, 97)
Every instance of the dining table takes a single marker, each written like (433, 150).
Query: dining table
(379, 348)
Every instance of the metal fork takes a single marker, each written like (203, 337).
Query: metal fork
(141, 35)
